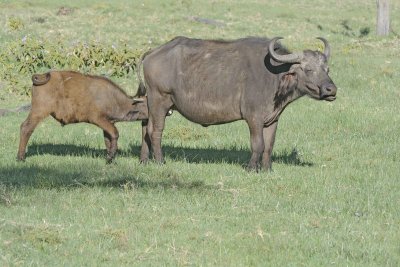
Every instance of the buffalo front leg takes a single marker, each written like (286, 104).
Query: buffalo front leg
(269, 140)
(26, 130)
(146, 144)
(257, 145)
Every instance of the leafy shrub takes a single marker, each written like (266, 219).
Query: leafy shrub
(25, 57)
(15, 23)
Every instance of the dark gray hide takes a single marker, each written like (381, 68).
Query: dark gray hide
(214, 82)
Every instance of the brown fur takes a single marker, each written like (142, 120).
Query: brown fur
(72, 97)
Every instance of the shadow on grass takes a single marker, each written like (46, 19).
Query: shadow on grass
(66, 150)
(187, 154)
(51, 178)
(112, 176)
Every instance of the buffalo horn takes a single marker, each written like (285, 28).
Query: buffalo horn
(290, 58)
(327, 48)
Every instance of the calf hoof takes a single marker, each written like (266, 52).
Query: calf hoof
(20, 159)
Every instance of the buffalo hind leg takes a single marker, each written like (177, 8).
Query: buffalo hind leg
(26, 130)
(146, 144)
(269, 140)
(110, 136)
(257, 145)
(157, 112)
(154, 131)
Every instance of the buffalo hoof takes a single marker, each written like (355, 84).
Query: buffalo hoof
(109, 160)
(268, 170)
(160, 162)
(252, 168)
(144, 160)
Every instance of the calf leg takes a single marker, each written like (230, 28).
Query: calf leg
(110, 133)
(107, 141)
(257, 144)
(26, 130)
(146, 144)
(269, 140)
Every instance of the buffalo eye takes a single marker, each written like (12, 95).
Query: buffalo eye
(309, 71)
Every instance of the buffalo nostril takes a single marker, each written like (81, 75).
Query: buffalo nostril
(329, 88)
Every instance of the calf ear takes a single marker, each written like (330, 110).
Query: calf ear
(137, 100)
(40, 79)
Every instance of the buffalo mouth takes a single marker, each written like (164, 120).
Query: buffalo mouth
(313, 91)
(328, 97)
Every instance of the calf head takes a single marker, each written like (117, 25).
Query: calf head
(309, 71)
(139, 108)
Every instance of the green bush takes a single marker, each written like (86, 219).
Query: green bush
(20, 59)
(15, 23)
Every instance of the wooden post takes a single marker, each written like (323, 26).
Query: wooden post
(382, 18)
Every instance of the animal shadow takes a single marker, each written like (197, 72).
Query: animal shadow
(50, 177)
(69, 150)
(232, 155)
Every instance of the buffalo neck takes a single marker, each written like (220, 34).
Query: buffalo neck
(282, 98)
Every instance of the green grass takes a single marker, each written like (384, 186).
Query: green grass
(332, 199)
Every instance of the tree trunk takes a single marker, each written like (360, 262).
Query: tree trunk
(382, 18)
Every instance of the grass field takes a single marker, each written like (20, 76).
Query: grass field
(332, 199)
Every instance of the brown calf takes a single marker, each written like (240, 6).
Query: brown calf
(72, 97)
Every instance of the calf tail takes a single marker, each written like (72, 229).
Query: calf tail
(142, 88)
(40, 79)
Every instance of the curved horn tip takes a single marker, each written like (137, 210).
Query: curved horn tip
(273, 41)
(276, 38)
(327, 47)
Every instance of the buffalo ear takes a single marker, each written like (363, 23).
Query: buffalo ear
(293, 79)
(288, 82)
(290, 78)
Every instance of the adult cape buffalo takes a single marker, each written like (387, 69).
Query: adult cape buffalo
(214, 82)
